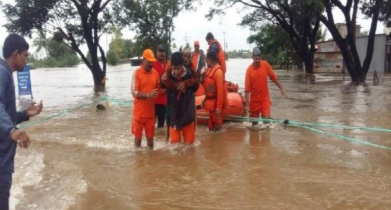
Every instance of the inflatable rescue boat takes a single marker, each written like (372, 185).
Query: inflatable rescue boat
(236, 104)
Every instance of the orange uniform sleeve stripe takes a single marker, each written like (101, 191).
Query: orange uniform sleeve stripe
(134, 85)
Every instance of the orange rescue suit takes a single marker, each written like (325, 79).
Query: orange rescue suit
(256, 84)
(215, 94)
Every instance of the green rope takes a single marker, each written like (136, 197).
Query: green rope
(358, 141)
(304, 125)
(249, 119)
(58, 114)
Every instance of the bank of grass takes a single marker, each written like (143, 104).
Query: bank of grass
(50, 62)
(119, 62)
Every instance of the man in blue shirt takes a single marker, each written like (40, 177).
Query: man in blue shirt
(15, 52)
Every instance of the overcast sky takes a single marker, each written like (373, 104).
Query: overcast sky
(195, 26)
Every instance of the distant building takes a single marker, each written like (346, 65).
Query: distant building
(387, 30)
(343, 30)
(328, 58)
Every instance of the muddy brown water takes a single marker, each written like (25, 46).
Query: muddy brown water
(85, 159)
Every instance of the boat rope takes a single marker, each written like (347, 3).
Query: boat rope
(304, 125)
(285, 122)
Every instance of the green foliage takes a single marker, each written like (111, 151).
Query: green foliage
(385, 11)
(275, 45)
(238, 54)
(120, 50)
(299, 19)
(112, 57)
(50, 62)
(153, 21)
(75, 22)
(58, 49)
(59, 55)
(40, 42)
(129, 49)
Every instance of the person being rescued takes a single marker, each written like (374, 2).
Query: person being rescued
(181, 99)
(215, 92)
(186, 53)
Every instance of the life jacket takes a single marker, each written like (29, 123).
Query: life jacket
(220, 56)
(210, 84)
(210, 89)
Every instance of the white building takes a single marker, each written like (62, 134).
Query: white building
(387, 30)
(328, 57)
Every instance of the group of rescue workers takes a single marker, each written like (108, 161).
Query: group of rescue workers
(165, 91)
(162, 91)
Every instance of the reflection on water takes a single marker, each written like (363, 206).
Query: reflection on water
(86, 160)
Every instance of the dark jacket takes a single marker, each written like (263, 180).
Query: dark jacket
(9, 118)
(181, 105)
(201, 63)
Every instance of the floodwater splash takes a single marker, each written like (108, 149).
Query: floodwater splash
(27, 173)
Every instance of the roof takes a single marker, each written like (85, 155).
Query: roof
(357, 37)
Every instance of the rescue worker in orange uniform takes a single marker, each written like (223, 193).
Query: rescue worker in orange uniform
(145, 89)
(198, 58)
(215, 46)
(161, 100)
(256, 87)
(181, 101)
(215, 93)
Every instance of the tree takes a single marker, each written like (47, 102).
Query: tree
(112, 57)
(118, 44)
(298, 18)
(58, 55)
(75, 22)
(40, 42)
(153, 21)
(384, 14)
(119, 49)
(61, 54)
(347, 45)
(275, 46)
(129, 48)
(174, 47)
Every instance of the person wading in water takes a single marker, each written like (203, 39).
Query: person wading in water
(181, 101)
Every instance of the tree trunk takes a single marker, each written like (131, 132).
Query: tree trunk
(99, 78)
(347, 45)
(355, 70)
(309, 64)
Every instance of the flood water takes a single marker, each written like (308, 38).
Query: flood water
(83, 159)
